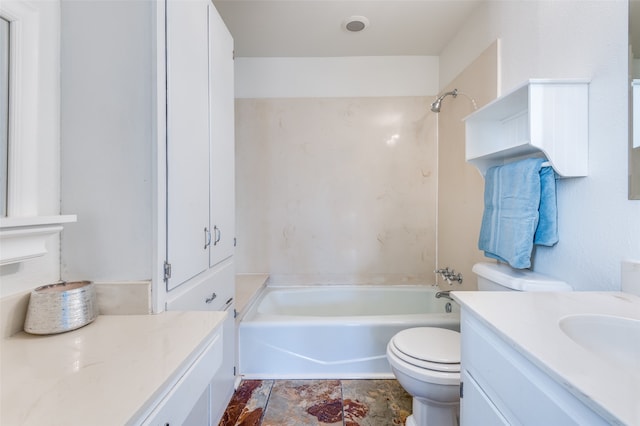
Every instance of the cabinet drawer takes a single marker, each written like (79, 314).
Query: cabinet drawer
(176, 406)
(212, 291)
(522, 392)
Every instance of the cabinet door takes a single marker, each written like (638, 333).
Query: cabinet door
(185, 399)
(476, 407)
(187, 139)
(222, 140)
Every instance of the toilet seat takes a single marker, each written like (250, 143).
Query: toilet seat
(416, 346)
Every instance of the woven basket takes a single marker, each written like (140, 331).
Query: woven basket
(65, 306)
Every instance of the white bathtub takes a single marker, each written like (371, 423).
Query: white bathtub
(333, 331)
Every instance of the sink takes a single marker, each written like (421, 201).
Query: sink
(613, 339)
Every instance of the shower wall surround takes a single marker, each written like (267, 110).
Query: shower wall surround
(336, 190)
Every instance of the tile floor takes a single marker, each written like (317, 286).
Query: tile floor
(318, 402)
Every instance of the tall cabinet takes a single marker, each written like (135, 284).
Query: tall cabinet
(148, 156)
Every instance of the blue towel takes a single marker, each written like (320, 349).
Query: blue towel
(519, 210)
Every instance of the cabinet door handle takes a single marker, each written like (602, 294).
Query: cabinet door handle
(216, 230)
(207, 238)
(211, 298)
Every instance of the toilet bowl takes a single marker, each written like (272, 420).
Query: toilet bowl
(430, 373)
(426, 360)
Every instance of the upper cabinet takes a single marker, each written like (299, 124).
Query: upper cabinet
(222, 98)
(200, 140)
(188, 127)
(546, 118)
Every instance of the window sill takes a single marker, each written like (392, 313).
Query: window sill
(24, 238)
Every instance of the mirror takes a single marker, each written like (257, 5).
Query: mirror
(4, 113)
(634, 100)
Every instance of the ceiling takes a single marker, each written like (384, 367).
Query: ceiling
(315, 28)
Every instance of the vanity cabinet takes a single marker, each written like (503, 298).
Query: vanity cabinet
(500, 386)
(211, 292)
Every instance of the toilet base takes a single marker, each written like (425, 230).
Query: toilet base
(428, 413)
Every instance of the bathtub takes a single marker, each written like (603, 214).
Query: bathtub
(333, 331)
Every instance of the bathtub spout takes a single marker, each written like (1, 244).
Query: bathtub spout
(444, 294)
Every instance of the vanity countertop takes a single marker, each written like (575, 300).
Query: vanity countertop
(529, 323)
(109, 372)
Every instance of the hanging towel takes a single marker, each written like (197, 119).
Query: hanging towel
(519, 210)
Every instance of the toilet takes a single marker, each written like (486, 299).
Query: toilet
(426, 360)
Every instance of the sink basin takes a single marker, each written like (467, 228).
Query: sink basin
(613, 339)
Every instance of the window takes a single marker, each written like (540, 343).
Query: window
(24, 228)
(4, 113)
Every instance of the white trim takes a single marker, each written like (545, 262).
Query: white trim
(25, 238)
(24, 234)
(22, 191)
(159, 169)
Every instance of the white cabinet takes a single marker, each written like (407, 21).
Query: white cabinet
(202, 267)
(188, 122)
(541, 117)
(222, 202)
(200, 140)
(477, 405)
(500, 386)
(189, 397)
(212, 291)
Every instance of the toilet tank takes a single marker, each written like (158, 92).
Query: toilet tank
(502, 277)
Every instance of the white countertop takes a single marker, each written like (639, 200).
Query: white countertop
(109, 372)
(529, 322)
(247, 288)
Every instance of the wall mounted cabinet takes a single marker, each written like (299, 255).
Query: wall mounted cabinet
(546, 118)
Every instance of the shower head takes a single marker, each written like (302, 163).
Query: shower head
(435, 106)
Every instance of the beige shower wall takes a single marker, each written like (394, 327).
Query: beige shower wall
(461, 187)
(336, 190)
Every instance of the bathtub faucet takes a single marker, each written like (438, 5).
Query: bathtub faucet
(449, 275)
(444, 294)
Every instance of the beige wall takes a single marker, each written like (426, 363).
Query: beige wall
(327, 194)
(461, 187)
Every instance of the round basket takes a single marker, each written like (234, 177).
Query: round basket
(65, 306)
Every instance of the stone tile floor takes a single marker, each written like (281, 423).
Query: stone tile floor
(318, 402)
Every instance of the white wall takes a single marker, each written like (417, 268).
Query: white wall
(598, 225)
(324, 194)
(362, 76)
(27, 275)
(336, 190)
(107, 129)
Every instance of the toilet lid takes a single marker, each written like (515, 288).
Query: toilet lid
(429, 347)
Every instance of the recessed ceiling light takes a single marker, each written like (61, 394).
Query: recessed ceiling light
(356, 23)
